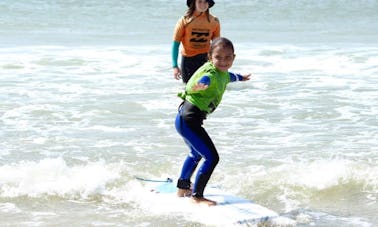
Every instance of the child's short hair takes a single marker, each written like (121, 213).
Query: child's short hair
(221, 41)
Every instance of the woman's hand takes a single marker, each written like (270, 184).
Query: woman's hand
(176, 73)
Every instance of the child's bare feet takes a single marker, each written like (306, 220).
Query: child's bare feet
(184, 192)
(202, 200)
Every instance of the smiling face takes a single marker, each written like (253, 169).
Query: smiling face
(202, 6)
(222, 57)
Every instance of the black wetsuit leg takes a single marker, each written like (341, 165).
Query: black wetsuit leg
(190, 64)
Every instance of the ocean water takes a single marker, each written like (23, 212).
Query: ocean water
(88, 101)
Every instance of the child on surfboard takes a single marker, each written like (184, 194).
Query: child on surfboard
(202, 95)
(194, 30)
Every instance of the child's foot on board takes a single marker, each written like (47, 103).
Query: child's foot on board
(202, 200)
(184, 192)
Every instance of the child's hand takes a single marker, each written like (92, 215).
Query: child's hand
(246, 77)
(199, 86)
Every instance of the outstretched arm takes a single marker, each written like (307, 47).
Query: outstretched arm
(202, 84)
(238, 77)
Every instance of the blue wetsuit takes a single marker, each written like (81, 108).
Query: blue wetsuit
(188, 124)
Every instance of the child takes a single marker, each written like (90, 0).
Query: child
(194, 30)
(202, 95)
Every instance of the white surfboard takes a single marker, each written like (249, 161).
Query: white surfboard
(230, 209)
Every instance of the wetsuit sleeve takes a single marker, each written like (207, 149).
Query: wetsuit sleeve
(175, 50)
(235, 77)
(205, 80)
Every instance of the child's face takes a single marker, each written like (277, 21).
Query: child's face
(222, 58)
(202, 5)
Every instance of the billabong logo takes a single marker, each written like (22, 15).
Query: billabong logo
(200, 35)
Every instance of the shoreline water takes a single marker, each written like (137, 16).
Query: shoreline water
(84, 111)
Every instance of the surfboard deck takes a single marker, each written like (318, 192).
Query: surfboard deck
(230, 209)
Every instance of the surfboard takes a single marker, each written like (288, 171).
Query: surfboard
(230, 210)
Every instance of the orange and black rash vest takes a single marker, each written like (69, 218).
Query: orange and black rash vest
(195, 33)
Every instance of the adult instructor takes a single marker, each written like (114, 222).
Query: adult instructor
(195, 30)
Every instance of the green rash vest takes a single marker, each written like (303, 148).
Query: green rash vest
(206, 100)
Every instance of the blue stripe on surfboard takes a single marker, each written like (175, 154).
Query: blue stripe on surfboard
(168, 180)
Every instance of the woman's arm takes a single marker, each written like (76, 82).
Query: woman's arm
(175, 52)
(176, 69)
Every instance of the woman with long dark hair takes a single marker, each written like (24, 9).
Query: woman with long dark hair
(194, 30)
